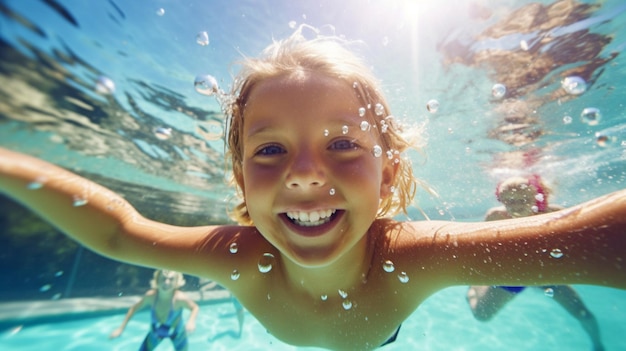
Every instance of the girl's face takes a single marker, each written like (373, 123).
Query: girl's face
(311, 180)
(519, 201)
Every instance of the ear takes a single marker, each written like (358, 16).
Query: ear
(389, 172)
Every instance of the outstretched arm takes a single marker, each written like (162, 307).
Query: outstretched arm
(585, 244)
(106, 223)
(131, 312)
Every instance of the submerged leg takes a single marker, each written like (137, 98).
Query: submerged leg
(486, 301)
(567, 297)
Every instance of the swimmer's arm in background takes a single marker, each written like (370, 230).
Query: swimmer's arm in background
(584, 244)
(106, 223)
(145, 301)
(192, 306)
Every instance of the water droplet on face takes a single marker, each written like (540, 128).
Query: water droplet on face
(355, 85)
(379, 109)
(160, 12)
(79, 201)
(556, 253)
(163, 133)
(342, 293)
(365, 126)
(331, 191)
(591, 116)
(206, 85)
(234, 275)
(233, 248)
(403, 277)
(432, 106)
(105, 86)
(347, 304)
(567, 119)
(362, 111)
(326, 132)
(324, 297)
(498, 91)
(388, 266)
(574, 85)
(265, 262)
(202, 38)
(344, 130)
(377, 151)
(549, 292)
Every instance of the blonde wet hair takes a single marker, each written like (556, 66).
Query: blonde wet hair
(328, 56)
(180, 279)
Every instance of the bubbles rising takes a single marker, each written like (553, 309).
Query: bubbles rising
(574, 85)
(105, 86)
(202, 39)
(206, 85)
(432, 106)
(591, 116)
(498, 91)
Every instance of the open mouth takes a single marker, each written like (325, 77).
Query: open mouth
(311, 218)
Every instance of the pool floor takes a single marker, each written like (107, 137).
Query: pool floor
(444, 322)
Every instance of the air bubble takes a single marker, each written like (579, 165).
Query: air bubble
(342, 293)
(36, 184)
(362, 111)
(160, 12)
(265, 262)
(379, 109)
(432, 106)
(388, 266)
(326, 132)
(344, 130)
(45, 288)
(523, 44)
(105, 86)
(403, 277)
(234, 275)
(567, 119)
(324, 297)
(603, 140)
(574, 85)
(206, 85)
(79, 201)
(202, 38)
(365, 126)
(234, 247)
(292, 24)
(331, 191)
(556, 253)
(162, 133)
(549, 292)
(377, 151)
(591, 116)
(347, 304)
(498, 91)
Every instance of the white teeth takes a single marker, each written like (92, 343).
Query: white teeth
(312, 218)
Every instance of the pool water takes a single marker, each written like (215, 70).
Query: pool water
(444, 322)
(106, 89)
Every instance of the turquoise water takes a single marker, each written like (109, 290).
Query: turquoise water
(54, 53)
(444, 322)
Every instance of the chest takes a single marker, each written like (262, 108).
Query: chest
(353, 321)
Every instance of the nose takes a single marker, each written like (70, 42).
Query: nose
(306, 172)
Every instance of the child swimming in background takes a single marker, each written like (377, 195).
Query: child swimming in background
(521, 197)
(166, 304)
(317, 258)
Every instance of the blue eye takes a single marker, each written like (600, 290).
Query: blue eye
(344, 144)
(270, 150)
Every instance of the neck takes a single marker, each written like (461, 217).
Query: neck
(345, 273)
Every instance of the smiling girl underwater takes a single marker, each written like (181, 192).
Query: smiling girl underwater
(317, 258)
